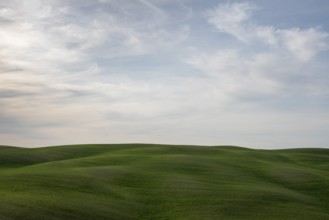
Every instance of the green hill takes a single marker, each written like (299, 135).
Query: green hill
(143, 181)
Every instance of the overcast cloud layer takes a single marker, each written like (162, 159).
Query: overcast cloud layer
(250, 73)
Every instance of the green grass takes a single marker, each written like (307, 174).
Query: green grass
(143, 181)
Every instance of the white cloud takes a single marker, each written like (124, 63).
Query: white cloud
(7, 14)
(270, 62)
(235, 19)
(50, 53)
(237, 74)
(305, 44)
(112, 71)
(39, 44)
(52, 36)
(231, 18)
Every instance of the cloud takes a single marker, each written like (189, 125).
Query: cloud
(266, 64)
(46, 36)
(305, 44)
(231, 18)
(44, 42)
(236, 19)
(150, 71)
(54, 71)
(238, 75)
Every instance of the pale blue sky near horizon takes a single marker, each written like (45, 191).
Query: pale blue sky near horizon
(249, 73)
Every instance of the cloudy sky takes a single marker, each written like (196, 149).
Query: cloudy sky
(251, 73)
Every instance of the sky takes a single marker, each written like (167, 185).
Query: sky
(204, 72)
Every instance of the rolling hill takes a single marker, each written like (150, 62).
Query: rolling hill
(146, 181)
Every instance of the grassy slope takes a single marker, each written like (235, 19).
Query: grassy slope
(163, 182)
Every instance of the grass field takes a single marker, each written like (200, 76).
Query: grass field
(143, 181)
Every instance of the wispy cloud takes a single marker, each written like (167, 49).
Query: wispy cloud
(305, 44)
(266, 70)
(143, 71)
(232, 18)
(236, 19)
